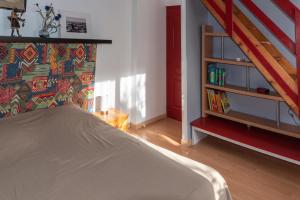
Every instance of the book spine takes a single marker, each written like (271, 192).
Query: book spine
(211, 74)
(216, 76)
(219, 103)
(220, 77)
(209, 99)
(223, 74)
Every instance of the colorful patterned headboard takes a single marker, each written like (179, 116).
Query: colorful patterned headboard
(38, 76)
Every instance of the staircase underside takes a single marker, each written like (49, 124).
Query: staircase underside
(276, 69)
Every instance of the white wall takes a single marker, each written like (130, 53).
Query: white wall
(149, 59)
(131, 71)
(296, 2)
(185, 124)
(195, 14)
(172, 2)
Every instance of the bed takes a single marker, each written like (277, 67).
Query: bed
(68, 154)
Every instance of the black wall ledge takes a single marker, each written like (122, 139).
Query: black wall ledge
(6, 39)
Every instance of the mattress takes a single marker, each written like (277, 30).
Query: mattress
(68, 154)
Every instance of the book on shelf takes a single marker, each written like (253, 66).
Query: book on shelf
(209, 97)
(218, 101)
(216, 75)
(212, 100)
(225, 102)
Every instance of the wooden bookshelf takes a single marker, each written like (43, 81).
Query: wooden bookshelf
(259, 122)
(230, 62)
(244, 91)
(271, 125)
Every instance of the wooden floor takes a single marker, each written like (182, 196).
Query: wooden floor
(250, 175)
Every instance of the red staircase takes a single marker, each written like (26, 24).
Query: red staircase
(274, 140)
(279, 72)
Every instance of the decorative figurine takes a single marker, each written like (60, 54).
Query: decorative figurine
(15, 18)
(50, 21)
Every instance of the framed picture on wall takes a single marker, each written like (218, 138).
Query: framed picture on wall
(75, 25)
(13, 4)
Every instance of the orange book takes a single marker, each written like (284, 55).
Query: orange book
(214, 102)
(219, 102)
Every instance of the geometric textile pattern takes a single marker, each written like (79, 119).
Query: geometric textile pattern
(41, 76)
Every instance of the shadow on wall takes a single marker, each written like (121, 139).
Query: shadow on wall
(132, 95)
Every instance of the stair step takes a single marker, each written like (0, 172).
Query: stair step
(266, 43)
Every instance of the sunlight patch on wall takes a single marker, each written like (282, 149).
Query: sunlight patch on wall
(127, 92)
(133, 96)
(141, 95)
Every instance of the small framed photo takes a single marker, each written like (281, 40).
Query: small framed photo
(75, 25)
(13, 4)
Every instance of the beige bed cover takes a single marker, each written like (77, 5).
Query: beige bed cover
(67, 154)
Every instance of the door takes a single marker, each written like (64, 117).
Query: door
(174, 104)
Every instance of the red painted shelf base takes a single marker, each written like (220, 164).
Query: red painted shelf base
(280, 146)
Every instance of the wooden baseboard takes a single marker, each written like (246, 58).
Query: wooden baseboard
(186, 142)
(148, 122)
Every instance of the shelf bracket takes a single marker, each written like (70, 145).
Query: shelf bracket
(248, 78)
(278, 114)
(222, 48)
